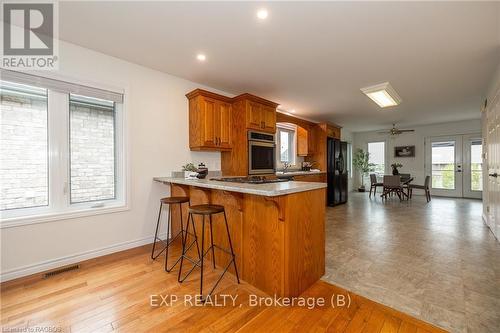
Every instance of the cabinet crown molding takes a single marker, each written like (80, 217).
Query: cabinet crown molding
(206, 93)
(257, 99)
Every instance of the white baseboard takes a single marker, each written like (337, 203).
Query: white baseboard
(71, 259)
(485, 220)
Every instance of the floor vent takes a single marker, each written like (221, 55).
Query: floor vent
(60, 271)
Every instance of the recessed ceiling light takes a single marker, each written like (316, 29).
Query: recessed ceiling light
(201, 57)
(383, 94)
(292, 110)
(262, 14)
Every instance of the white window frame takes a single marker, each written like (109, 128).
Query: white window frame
(59, 207)
(293, 143)
(349, 159)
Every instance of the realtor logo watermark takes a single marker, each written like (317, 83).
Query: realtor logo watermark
(30, 38)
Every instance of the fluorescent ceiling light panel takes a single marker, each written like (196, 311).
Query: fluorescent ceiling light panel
(383, 94)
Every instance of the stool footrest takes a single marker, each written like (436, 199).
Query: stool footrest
(197, 263)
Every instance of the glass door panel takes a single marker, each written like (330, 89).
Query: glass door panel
(473, 166)
(443, 165)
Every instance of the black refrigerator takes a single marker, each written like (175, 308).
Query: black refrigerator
(336, 172)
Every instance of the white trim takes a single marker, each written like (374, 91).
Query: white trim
(59, 155)
(27, 220)
(71, 259)
(485, 219)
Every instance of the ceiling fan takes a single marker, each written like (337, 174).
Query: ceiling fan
(395, 131)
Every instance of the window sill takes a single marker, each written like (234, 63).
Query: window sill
(51, 217)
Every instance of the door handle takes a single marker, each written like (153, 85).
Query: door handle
(493, 175)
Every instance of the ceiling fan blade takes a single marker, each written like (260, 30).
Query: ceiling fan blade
(406, 130)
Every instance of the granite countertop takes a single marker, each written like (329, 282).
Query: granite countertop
(298, 173)
(268, 190)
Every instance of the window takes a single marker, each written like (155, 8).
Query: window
(286, 144)
(476, 165)
(377, 156)
(61, 147)
(24, 147)
(92, 147)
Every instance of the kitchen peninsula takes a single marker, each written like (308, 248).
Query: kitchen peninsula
(277, 229)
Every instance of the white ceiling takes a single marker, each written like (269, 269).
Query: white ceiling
(312, 57)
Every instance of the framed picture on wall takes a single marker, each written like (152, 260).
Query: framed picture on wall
(404, 151)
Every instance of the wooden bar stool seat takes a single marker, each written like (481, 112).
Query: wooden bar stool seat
(174, 200)
(206, 209)
(169, 240)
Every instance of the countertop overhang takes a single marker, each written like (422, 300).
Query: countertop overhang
(268, 190)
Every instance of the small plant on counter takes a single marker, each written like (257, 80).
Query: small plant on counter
(306, 166)
(361, 162)
(189, 167)
(190, 171)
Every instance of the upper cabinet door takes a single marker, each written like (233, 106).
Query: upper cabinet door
(210, 121)
(311, 139)
(224, 125)
(208, 118)
(302, 146)
(268, 119)
(333, 132)
(254, 115)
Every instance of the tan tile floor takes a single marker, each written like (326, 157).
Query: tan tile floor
(438, 262)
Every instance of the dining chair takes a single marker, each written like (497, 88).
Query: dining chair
(392, 184)
(426, 187)
(374, 184)
(405, 182)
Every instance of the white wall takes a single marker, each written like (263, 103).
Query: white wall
(158, 144)
(413, 165)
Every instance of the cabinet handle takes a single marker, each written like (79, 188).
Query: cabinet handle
(493, 175)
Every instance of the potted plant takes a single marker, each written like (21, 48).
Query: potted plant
(360, 161)
(395, 167)
(190, 170)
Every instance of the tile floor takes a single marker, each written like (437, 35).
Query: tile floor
(438, 261)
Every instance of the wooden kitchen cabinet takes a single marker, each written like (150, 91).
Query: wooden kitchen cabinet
(333, 132)
(302, 141)
(210, 121)
(254, 115)
(311, 139)
(269, 118)
(260, 114)
(319, 178)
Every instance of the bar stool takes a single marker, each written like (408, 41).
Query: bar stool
(170, 201)
(205, 210)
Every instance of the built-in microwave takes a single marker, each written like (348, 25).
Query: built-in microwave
(261, 153)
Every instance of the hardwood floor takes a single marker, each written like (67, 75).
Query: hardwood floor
(436, 261)
(114, 293)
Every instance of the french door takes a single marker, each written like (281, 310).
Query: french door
(455, 165)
